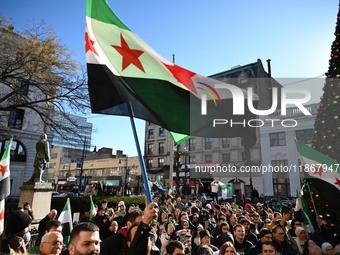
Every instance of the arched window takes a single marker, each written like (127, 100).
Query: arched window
(18, 152)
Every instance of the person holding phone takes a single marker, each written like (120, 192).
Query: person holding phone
(27, 207)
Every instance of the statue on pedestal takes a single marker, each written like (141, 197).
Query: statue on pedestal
(42, 158)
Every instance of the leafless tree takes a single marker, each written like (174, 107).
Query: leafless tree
(39, 73)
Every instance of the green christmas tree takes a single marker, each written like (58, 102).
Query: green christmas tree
(327, 124)
(327, 133)
(325, 211)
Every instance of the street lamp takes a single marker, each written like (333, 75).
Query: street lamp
(127, 173)
(80, 161)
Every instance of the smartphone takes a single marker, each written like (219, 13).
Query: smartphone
(120, 213)
(206, 224)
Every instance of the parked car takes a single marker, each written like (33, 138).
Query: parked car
(55, 194)
(68, 194)
(260, 200)
(287, 200)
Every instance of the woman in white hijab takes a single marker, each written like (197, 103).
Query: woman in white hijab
(301, 238)
(327, 248)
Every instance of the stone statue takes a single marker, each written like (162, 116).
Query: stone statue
(42, 158)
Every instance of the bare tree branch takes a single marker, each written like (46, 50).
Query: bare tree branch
(54, 82)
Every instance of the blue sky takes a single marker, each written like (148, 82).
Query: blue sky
(207, 38)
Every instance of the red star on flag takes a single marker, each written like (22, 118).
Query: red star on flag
(130, 56)
(318, 170)
(2, 214)
(337, 181)
(182, 75)
(4, 169)
(89, 44)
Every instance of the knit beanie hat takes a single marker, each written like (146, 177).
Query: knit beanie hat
(204, 233)
(18, 221)
(263, 232)
(248, 206)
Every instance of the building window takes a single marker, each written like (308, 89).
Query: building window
(192, 144)
(161, 148)
(16, 118)
(304, 136)
(150, 123)
(226, 157)
(23, 85)
(192, 159)
(208, 158)
(134, 171)
(225, 143)
(160, 162)
(277, 139)
(54, 155)
(161, 132)
(150, 133)
(185, 159)
(208, 143)
(280, 180)
(17, 153)
(150, 149)
(245, 156)
(149, 163)
(52, 165)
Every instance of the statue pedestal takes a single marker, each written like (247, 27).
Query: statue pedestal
(39, 196)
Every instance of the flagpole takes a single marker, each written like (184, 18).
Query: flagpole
(316, 212)
(141, 161)
(298, 192)
(171, 163)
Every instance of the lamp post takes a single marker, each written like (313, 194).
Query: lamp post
(80, 164)
(127, 173)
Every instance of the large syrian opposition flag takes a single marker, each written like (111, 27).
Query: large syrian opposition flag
(5, 182)
(126, 77)
(66, 218)
(323, 172)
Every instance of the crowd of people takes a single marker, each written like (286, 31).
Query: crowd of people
(173, 226)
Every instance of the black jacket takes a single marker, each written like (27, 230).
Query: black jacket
(322, 235)
(256, 249)
(139, 244)
(112, 245)
(285, 248)
(242, 248)
(186, 189)
(251, 237)
(42, 225)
